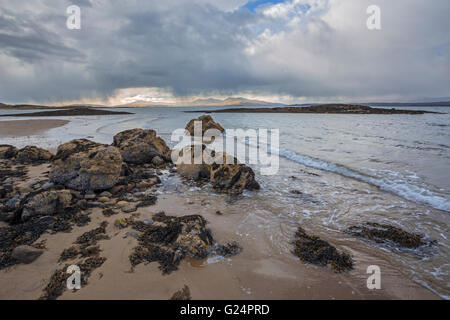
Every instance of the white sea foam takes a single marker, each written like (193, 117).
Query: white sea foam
(415, 193)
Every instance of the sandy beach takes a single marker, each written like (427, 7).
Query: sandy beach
(253, 274)
(20, 128)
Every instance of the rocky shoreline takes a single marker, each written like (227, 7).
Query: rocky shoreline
(86, 183)
(68, 113)
(319, 109)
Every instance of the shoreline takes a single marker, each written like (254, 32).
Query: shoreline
(319, 109)
(265, 267)
(23, 128)
(68, 113)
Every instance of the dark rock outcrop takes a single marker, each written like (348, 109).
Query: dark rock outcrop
(47, 203)
(7, 151)
(228, 176)
(314, 250)
(84, 165)
(139, 146)
(168, 240)
(207, 123)
(33, 155)
(26, 254)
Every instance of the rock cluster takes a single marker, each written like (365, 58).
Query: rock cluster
(228, 176)
(139, 146)
(33, 155)
(207, 123)
(85, 165)
(168, 240)
(27, 155)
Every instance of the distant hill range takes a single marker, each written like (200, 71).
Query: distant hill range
(210, 102)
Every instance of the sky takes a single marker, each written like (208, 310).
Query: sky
(292, 51)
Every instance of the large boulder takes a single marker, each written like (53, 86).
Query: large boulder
(227, 175)
(32, 154)
(47, 203)
(139, 146)
(233, 178)
(26, 254)
(7, 151)
(85, 165)
(207, 123)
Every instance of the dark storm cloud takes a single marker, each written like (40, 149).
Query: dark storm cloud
(210, 46)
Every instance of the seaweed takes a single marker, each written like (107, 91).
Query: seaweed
(183, 294)
(381, 233)
(314, 250)
(168, 240)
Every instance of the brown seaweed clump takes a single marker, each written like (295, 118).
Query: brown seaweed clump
(183, 294)
(58, 281)
(168, 240)
(314, 250)
(387, 234)
(90, 238)
(86, 247)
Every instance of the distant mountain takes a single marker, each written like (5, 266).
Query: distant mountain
(229, 102)
(207, 102)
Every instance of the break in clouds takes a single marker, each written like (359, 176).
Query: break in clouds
(307, 50)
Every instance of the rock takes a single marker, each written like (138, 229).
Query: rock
(168, 240)
(131, 234)
(47, 203)
(129, 208)
(121, 223)
(76, 194)
(47, 186)
(109, 212)
(233, 178)
(183, 294)
(26, 254)
(139, 146)
(90, 196)
(7, 151)
(95, 204)
(106, 194)
(230, 176)
(12, 203)
(104, 199)
(85, 165)
(25, 190)
(314, 250)
(207, 123)
(3, 192)
(122, 203)
(32, 154)
(228, 250)
(158, 161)
(82, 204)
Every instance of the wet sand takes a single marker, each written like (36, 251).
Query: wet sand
(260, 271)
(20, 128)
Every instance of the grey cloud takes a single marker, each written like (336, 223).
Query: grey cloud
(201, 47)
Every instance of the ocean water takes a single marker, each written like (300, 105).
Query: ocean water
(349, 169)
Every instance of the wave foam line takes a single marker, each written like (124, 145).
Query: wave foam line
(401, 188)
